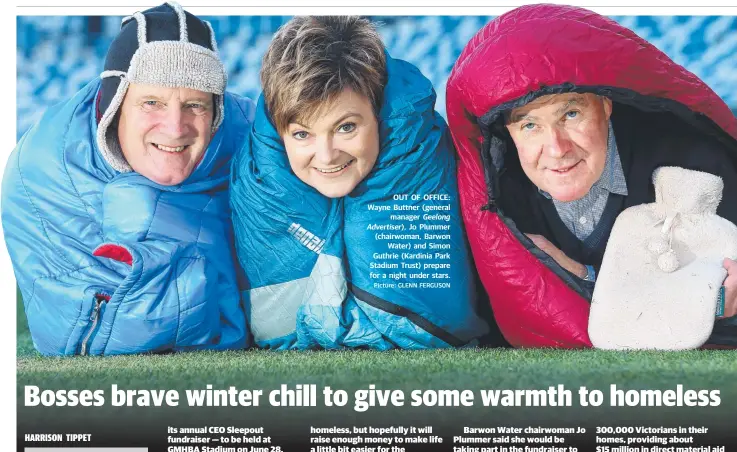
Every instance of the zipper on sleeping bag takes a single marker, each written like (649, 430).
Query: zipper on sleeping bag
(100, 298)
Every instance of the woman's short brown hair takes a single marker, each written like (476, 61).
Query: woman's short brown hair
(313, 59)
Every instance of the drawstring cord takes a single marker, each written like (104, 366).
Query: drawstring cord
(662, 246)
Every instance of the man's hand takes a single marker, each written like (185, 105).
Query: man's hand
(730, 288)
(565, 261)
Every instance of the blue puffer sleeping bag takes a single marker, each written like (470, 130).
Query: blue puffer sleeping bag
(113, 263)
(385, 267)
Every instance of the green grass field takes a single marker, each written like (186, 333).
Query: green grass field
(475, 369)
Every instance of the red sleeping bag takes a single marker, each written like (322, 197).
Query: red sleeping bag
(519, 56)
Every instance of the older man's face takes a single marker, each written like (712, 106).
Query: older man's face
(164, 132)
(562, 142)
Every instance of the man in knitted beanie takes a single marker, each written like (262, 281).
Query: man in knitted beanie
(162, 94)
(115, 205)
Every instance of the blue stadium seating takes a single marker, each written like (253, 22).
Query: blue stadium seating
(57, 55)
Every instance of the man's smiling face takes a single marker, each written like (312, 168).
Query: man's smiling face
(164, 132)
(561, 140)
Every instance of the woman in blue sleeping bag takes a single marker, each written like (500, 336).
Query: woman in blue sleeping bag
(345, 204)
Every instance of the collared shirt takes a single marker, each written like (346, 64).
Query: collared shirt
(582, 216)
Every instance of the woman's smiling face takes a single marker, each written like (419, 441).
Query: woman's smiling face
(338, 149)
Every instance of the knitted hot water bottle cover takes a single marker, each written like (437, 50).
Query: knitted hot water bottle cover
(662, 271)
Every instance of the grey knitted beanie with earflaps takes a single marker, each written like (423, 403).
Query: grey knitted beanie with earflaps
(164, 46)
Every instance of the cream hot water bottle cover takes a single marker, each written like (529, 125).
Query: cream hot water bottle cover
(662, 271)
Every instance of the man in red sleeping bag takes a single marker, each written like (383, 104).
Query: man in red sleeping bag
(560, 116)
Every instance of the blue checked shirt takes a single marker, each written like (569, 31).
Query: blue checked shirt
(582, 216)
